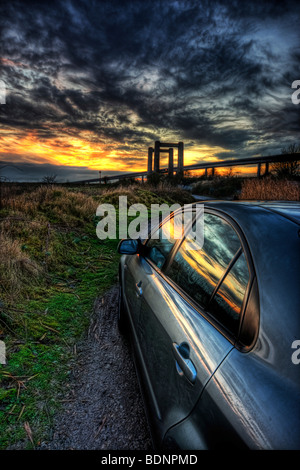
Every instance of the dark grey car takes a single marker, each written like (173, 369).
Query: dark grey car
(216, 328)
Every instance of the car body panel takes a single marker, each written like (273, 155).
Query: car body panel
(160, 318)
(246, 405)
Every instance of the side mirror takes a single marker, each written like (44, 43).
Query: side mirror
(128, 247)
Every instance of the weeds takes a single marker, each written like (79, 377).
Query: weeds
(219, 187)
(270, 189)
(52, 268)
(17, 270)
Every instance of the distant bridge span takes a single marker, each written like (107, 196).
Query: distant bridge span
(204, 166)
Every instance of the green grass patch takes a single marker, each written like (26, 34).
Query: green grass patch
(42, 323)
(52, 268)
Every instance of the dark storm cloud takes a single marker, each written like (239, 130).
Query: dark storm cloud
(259, 9)
(205, 72)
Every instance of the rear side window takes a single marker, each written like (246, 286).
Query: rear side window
(203, 271)
(162, 241)
(227, 303)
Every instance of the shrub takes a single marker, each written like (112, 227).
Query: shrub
(17, 270)
(270, 189)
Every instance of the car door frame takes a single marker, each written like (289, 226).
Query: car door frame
(251, 286)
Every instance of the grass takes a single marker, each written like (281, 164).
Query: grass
(219, 187)
(234, 187)
(270, 189)
(52, 268)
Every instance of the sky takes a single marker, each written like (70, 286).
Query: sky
(90, 85)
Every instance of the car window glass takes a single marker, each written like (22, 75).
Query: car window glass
(227, 302)
(163, 240)
(197, 268)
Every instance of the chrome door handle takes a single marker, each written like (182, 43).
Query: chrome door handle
(183, 363)
(138, 289)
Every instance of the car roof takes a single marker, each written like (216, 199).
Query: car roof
(287, 209)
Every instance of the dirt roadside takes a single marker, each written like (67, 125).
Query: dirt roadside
(102, 406)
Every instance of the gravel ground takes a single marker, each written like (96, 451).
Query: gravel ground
(103, 408)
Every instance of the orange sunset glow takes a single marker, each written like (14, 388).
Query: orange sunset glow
(81, 151)
(89, 92)
(62, 151)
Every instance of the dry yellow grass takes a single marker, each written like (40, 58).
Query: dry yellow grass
(16, 268)
(33, 217)
(146, 194)
(27, 240)
(270, 189)
(60, 203)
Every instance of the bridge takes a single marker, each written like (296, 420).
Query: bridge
(153, 165)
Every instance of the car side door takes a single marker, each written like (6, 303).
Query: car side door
(181, 347)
